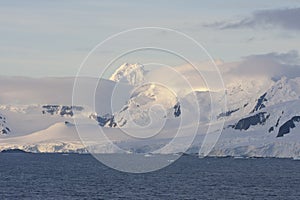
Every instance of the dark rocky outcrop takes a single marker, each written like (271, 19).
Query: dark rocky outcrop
(271, 129)
(228, 113)
(4, 130)
(260, 103)
(245, 123)
(13, 151)
(177, 110)
(278, 120)
(61, 110)
(287, 126)
(105, 121)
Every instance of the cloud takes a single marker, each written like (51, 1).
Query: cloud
(287, 18)
(273, 65)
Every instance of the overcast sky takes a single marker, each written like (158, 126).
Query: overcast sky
(51, 38)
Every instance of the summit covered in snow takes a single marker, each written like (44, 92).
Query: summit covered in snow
(132, 74)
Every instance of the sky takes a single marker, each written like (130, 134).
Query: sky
(51, 38)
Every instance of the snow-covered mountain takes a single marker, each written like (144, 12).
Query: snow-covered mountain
(129, 73)
(18, 120)
(146, 105)
(262, 116)
(276, 110)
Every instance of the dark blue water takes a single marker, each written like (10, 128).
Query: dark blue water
(54, 176)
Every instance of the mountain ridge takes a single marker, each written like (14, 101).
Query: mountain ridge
(260, 117)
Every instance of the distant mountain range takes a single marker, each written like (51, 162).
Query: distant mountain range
(262, 117)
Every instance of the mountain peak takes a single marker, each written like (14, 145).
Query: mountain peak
(130, 73)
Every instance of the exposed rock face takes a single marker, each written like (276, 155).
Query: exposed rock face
(271, 129)
(61, 110)
(4, 130)
(177, 110)
(287, 126)
(104, 121)
(260, 103)
(228, 113)
(245, 123)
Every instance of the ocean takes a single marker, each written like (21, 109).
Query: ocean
(75, 176)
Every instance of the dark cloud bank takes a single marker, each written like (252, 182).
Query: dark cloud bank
(288, 18)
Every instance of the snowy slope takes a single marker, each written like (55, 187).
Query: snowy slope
(146, 105)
